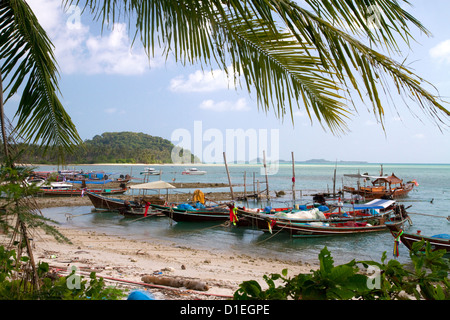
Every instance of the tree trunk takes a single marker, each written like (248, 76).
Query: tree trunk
(2, 120)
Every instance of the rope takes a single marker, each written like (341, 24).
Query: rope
(273, 235)
(70, 216)
(430, 215)
(148, 215)
(59, 269)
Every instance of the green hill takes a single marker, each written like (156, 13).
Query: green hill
(111, 147)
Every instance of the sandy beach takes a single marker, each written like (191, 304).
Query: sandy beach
(202, 274)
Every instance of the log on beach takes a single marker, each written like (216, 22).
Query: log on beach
(176, 283)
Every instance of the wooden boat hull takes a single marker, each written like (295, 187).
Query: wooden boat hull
(110, 204)
(334, 229)
(139, 212)
(408, 239)
(262, 221)
(360, 213)
(379, 193)
(78, 192)
(203, 215)
(360, 223)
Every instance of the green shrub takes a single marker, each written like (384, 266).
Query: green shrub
(51, 288)
(428, 280)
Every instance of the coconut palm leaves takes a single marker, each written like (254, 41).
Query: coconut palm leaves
(320, 57)
(27, 62)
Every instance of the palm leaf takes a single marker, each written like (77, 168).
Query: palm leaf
(28, 62)
(350, 59)
(325, 63)
(286, 73)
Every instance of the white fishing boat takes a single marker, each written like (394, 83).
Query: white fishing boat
(193, 171)
(151, 172)
(50, 185)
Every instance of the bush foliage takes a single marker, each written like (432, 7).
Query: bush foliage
(428, 280)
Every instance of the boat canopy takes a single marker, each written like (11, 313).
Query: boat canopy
(153, 185)
(392, 179)
(374, 204)
(361, 176)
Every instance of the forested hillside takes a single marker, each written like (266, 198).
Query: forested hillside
(111, 147)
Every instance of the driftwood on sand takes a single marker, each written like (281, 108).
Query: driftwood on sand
(176, 283)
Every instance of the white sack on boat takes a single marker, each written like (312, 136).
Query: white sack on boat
(309, 214)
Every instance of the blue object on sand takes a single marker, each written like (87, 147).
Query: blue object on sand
(140, 295)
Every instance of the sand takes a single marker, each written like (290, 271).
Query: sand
(124, 263)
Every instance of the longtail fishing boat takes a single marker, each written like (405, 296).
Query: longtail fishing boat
(79, 192)
(363, 219)
(101, 202)
(382, 187)
(333, 228)
(260, 218)
(185, 213)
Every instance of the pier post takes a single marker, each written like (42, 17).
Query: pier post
(228, 174)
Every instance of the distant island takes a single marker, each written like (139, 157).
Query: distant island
(316, 161)
(328, 161)
(132, 147)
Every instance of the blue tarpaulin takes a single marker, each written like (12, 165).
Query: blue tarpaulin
(185, 206)
(199, 205)
(442, 236)
(374, 204)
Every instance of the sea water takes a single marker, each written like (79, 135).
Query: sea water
(428, 206)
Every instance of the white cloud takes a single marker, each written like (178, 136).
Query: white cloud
(441, 52)
(221, 106)
(200, 81)
(78, 50)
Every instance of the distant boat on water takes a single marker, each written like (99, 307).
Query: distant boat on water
(61, 188)
(383, 187)
(50, 185)
(151, 172)
(80, 177)
(193, 171)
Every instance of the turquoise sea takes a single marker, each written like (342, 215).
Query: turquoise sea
(430, 203)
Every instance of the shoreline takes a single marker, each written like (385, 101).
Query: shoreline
(124, 262)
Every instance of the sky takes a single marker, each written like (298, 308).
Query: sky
(108, 85)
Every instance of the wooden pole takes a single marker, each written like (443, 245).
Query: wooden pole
(267, 180)
(334, 181)
(245, 185)
(257, 185)
(254, 181)
(228, 174)
(293, 178)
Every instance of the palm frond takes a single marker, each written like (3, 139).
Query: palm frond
(27, 61)
(286, 74)
(325, 61)
(350, 59)
(379, 21)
